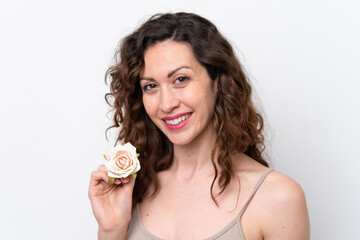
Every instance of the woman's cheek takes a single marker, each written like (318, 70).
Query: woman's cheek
(149, 105)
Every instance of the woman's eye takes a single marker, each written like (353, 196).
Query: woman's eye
(150, 86)
(181, 80)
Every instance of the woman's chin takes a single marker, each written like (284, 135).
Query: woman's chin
(180, 141)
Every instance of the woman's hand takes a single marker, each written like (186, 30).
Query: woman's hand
(111, 202)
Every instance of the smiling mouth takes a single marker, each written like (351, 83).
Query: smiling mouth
(178, 120)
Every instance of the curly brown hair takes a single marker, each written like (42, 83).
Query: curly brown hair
(238, 125)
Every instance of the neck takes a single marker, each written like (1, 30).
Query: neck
(194, 159)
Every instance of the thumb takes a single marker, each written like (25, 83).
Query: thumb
(128, 183)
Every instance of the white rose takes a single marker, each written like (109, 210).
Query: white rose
(122, 161)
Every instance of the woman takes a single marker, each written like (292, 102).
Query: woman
(183, 100)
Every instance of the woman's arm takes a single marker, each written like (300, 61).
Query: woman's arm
(115, 234)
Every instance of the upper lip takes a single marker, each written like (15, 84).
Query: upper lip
(175, 116)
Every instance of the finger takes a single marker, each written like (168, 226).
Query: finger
(102, 168)
(125, 180)
(117, 181)
(129, 185)
(97, 177)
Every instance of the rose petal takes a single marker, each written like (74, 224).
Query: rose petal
(122, 161)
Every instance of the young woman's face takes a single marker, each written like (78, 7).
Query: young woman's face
(178, 94)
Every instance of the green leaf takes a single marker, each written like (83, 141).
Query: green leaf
(111, 180)
(105, 157)
(134, 175)
(138, 154)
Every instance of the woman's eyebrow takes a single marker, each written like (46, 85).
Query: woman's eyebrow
(177, 69)
(148, 79)
(169, 75)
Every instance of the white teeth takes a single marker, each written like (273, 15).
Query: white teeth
(178, 120)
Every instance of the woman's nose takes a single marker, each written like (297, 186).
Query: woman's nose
(168, 101)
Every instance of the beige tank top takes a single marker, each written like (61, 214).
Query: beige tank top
(231, 231)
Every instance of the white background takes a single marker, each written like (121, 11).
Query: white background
(302, 57)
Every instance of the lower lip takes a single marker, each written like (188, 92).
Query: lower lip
(178, 126)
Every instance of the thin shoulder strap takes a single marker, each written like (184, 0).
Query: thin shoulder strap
(262, 178)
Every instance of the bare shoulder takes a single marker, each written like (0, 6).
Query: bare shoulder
(278, 209)
(282, 204)
(282, 188)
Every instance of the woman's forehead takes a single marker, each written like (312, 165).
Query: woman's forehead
(165, 57)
